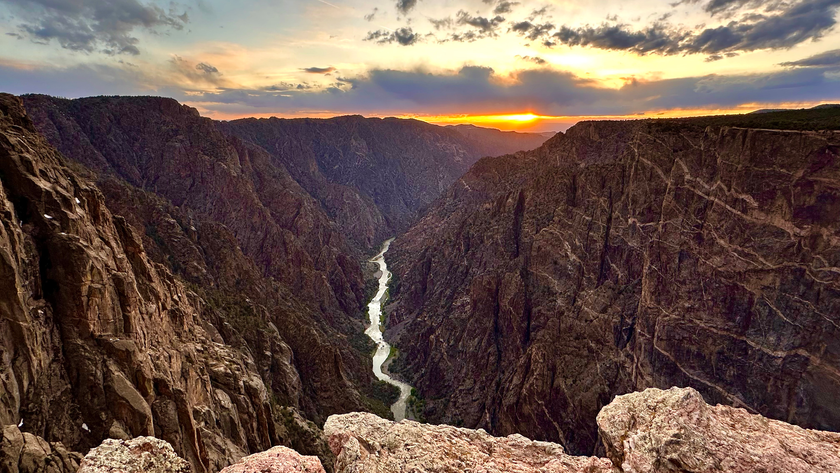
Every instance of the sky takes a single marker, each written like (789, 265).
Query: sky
(535, 65)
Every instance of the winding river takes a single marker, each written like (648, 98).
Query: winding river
(383, 349)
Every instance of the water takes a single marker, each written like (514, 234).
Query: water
(383, 349)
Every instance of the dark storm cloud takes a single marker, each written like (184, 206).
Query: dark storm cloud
(403, 36)
(90, 25)
(778, 26)
(826, 59)
(319, 70)
(370, 16)
(405, 6)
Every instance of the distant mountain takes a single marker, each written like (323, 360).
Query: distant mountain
(622, 255)
(372, 175)
(496, 142)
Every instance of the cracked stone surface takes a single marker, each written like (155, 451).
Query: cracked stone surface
(276, 460)
(675, 431)
(138, 455)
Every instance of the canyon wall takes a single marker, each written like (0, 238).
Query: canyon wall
(627, 255)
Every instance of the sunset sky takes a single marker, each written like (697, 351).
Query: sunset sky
(531, 65)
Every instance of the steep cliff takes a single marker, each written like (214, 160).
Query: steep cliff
(373, 176)
(626, 255)
(226, 217)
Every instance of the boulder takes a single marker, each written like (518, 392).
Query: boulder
(138, 455)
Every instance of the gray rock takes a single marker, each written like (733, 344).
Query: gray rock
(138, 455)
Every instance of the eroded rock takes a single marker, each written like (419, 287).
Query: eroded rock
(277, 460)
(366, 443)
(675, 431)
(138, 455)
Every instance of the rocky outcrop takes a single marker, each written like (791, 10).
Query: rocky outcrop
(654, 431)
(366, 443)
(277, 460)
(373, 176)
(675, 431)
(621, 256)
(22, 452)
(138, 455)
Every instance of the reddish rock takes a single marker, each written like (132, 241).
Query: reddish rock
(675, 431)
(276, 460)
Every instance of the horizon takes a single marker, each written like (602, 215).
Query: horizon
(529, 65)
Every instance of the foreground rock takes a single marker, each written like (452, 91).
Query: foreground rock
(654, 431)
(22, 452)
(277, 460)
(366, 443)
(138, 455)
(676, 431)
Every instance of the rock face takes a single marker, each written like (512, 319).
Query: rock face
(627, 255)
(277, 460)
(138, 455)
(366, 443)
(22, 452)
(676, 431)
(373, 175)
(654, 431)
(98, 341)
(224, 216)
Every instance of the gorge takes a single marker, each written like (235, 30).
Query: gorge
(166, 275)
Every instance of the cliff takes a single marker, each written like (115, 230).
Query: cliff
(99, 341)
(627, 255)
(373, 176)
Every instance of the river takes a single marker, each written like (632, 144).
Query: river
(383, 349)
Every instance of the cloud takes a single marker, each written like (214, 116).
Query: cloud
(775, 25)
(405, 6)
(486, 26)
(403, 36)
(826, 59)
(206, 68)
(441, 24)
(532, 31)
(472, 90)
(370, 16)
(536, 60)
(191, 74)
(91, 25)
(544, 91)
(319, 70)
(503, 7)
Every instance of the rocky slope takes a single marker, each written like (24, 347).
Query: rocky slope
(373, 175)
(99, 341)
(626, 255)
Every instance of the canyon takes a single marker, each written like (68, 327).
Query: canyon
(206, 283)
(624, 255)
(165, 278)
